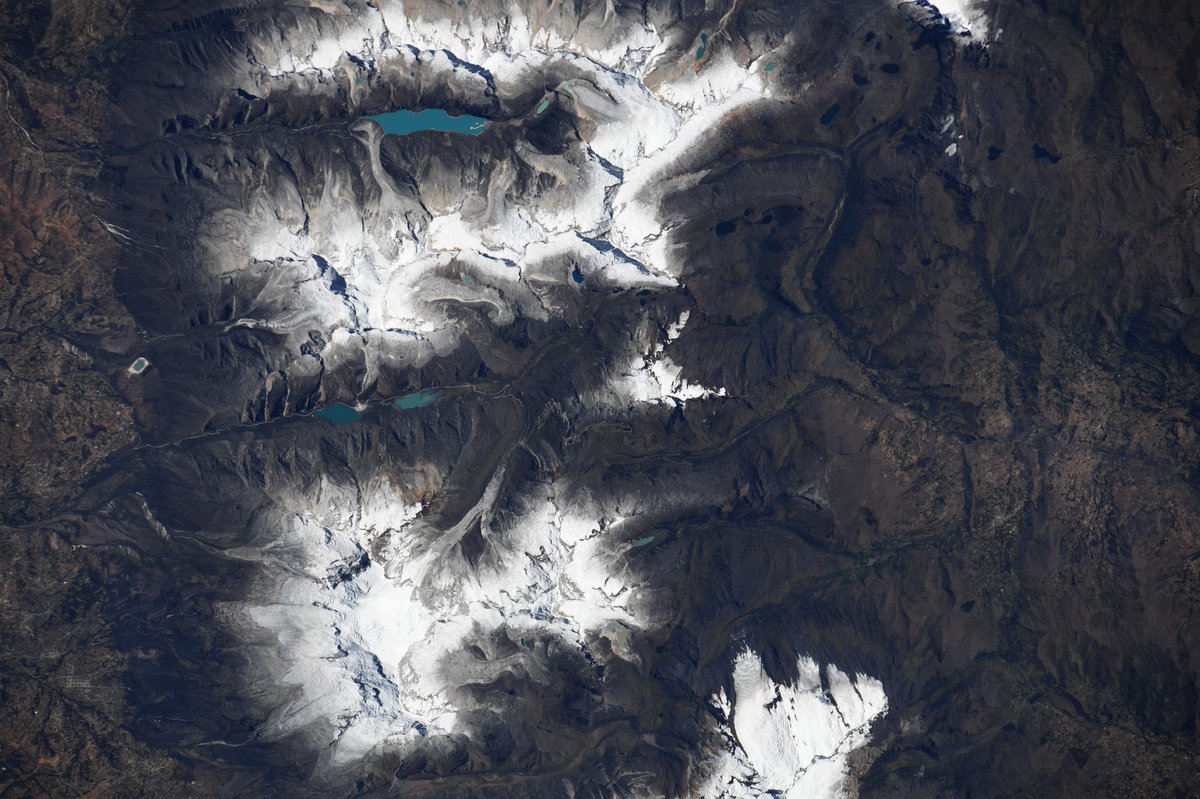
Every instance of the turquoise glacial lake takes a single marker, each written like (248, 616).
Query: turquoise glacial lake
(402, 123)
(422, 399)
(339, 414)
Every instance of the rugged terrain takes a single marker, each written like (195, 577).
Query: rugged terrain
(889, 371)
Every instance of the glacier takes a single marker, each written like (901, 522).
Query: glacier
(350, 253)
(791, 740)
(359, 607)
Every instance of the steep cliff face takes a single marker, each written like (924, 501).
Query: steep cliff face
(771, 400)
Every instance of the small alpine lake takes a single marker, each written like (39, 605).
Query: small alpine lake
(421, 399)
(339, 414)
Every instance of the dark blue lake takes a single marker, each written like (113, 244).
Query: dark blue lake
(405, 122)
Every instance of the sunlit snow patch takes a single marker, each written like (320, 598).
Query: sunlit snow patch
(967, 15)
(654, 378)
(792, 740)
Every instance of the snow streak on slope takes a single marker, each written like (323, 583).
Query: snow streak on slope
(792, 740)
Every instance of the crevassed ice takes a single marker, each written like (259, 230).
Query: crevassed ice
(791, 740)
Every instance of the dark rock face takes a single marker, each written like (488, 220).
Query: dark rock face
(947, 287)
